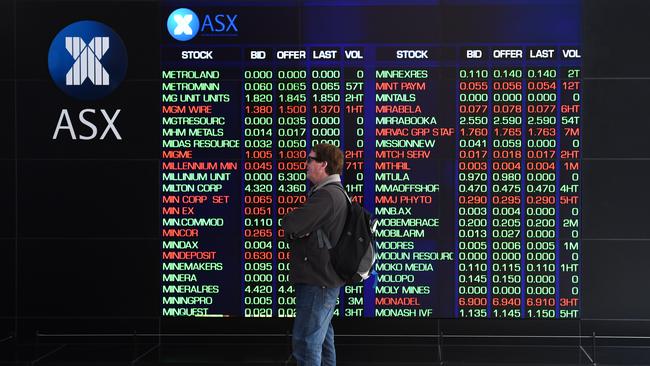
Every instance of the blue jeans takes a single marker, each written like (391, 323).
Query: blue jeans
(313, 335)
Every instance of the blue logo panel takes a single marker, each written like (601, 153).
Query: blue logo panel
(87, 60)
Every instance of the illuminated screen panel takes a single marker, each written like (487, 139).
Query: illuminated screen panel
(460, 124)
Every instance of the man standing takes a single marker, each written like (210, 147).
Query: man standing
(309, 228)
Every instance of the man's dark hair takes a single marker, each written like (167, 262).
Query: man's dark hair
(332, 155)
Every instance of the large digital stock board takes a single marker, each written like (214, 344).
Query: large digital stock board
(460, 124)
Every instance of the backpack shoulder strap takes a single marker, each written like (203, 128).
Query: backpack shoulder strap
(323, 240)
(340, 187)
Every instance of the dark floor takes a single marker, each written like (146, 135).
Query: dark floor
(385, 352)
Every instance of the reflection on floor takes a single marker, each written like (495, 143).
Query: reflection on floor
(385, 352)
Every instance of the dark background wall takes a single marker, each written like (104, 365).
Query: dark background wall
(616, 228)
(79, 231)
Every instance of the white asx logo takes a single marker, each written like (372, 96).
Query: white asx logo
(183, 24)
(87, 61)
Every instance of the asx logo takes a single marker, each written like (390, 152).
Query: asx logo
(183, 24)
(87, 61)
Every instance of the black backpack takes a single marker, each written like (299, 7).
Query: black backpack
(355, 253)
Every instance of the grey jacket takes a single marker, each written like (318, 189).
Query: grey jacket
(325, 209)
